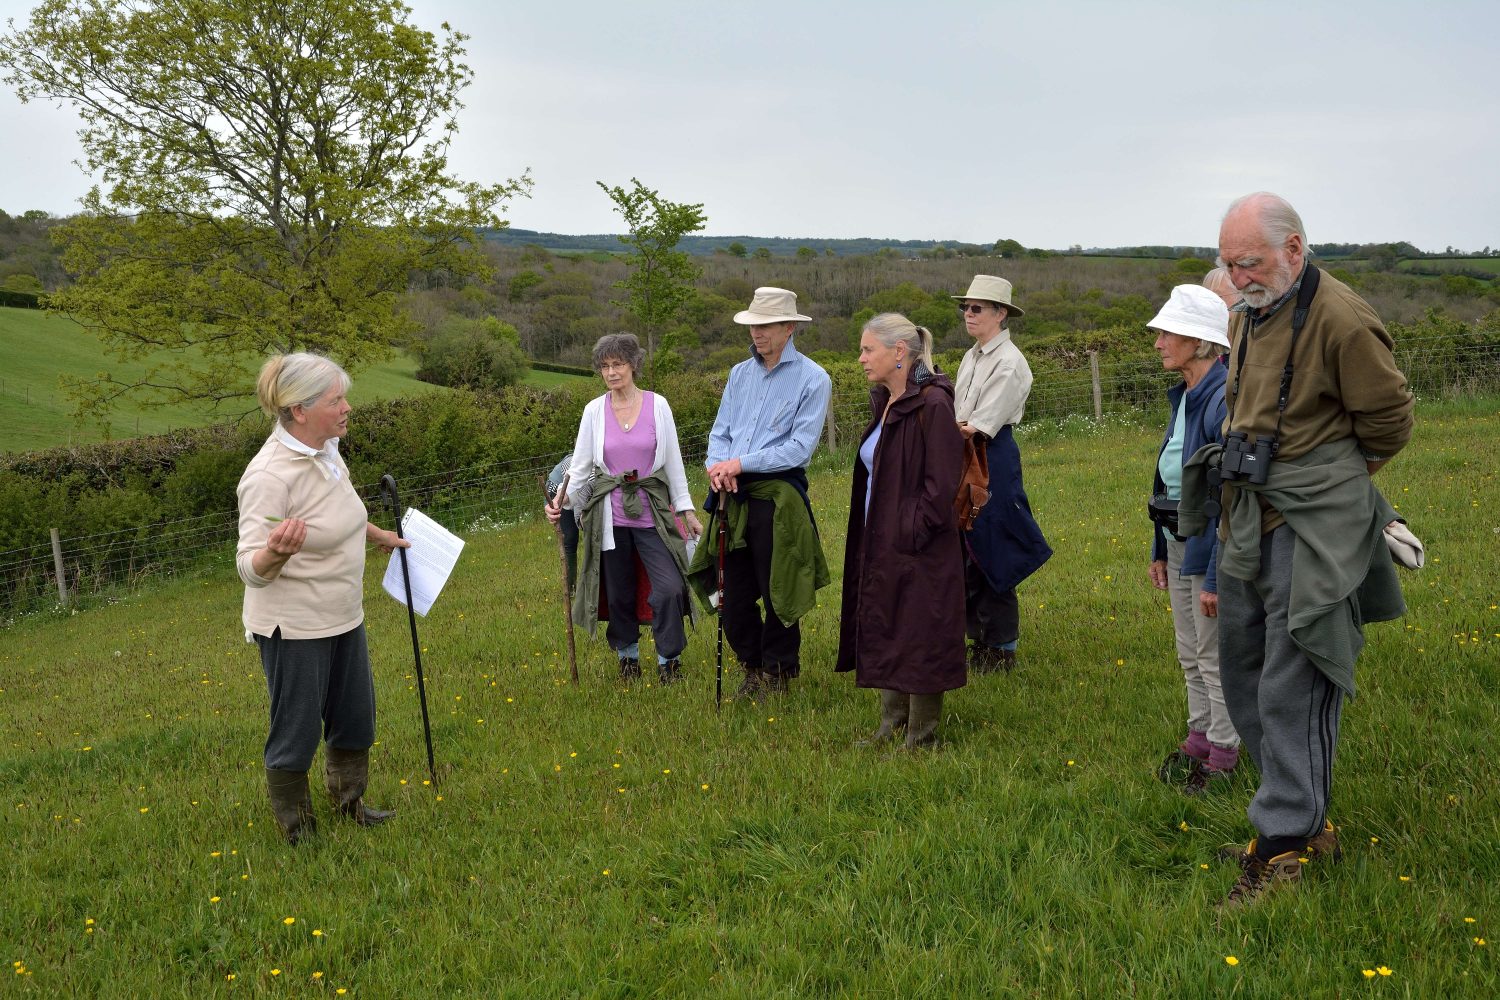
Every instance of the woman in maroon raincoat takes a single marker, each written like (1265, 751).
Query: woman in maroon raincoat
(902, 627)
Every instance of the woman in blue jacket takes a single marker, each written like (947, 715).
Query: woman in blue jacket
(1191, 334)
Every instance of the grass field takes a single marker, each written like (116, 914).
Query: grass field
(1489, 264)
(604, 841)
(37, 348)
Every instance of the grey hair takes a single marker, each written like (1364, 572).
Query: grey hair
(619, 347)
(1218, 282)
(1205, 349)
(893, 328)
(301, 379)
(1278, 219)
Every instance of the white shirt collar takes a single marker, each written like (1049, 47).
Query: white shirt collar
(324, 459)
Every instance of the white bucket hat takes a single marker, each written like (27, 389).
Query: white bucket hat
(1194, 311)
(771, 305)
(992, 289)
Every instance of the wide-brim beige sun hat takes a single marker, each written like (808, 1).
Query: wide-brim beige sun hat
(771, 305)
(992, 289)
(1194, 311)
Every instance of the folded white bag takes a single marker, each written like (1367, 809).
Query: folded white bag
(1405, 547)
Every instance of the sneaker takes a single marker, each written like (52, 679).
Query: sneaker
(669, 672)
(1259, 877)
(1203, 779)
(630, 668)
(1324, 845)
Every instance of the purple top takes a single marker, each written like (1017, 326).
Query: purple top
(631, 449)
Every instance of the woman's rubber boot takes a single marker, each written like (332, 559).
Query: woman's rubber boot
(922, 725)
(291, 803)
(893, 714)
(346, 773)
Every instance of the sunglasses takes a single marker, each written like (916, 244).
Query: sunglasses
(972, 308)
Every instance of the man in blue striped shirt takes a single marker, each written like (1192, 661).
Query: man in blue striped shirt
(767, 428)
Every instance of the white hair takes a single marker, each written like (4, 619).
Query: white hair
(1278, 219)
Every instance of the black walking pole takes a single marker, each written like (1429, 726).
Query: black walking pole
(388, 486)
(562, 555)
(719, 665)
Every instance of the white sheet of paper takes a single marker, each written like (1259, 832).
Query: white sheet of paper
(431, 558)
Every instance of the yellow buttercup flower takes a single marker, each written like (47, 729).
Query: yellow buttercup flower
(289, 921)
(1231, 960)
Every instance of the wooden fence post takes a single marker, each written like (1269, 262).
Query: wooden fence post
(1094, 378)
(57, 564)
(828, 423)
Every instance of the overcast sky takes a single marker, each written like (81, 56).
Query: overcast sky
(1053, 123)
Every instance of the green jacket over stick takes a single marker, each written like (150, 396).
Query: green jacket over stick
(639, 494)
(1342, 573)
(795, 578)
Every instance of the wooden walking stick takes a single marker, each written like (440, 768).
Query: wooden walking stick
(562, 555)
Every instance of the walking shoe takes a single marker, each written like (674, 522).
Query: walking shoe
(1259, 877)
(1178, 766)
(669, 672)
(630, 668)
(1324, 845)
(1203, 779)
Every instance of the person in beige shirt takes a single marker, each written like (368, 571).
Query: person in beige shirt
(1006, 545)
(301, 555)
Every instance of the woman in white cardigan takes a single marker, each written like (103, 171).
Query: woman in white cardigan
(628, 489)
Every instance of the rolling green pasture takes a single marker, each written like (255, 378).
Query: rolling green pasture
(37, 348)
(612, 841)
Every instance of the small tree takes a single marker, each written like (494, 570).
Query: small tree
(271, 174)
(661, 276)
(737, 249)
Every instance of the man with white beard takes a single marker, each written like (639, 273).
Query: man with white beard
(1315, 405)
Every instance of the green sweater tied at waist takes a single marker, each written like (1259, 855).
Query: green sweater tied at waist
(640, 494)
(798, 568)
(1342, 573)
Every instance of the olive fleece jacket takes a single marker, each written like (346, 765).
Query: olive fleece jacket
(1345, 382)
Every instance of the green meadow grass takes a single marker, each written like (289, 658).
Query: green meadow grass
(37, 348)
(611, 841)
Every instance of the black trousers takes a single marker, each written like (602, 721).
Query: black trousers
(668, 591)
(320, 689)
(761, 642)
(569, 525)
(991, 617)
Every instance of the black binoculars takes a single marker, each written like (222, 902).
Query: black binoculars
(1247, 462)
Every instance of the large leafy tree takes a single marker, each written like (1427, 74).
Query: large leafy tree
(661, 276)
(271, 173)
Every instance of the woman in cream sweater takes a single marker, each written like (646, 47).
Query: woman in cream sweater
(303, 531)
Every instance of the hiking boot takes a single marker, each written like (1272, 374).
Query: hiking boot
(630, 669)
(1324, 845)
(669, 672)
(775, 683)
(1259, 877)
(1203, 779)
(752, 686)
(990, 659)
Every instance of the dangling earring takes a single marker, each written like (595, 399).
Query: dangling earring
(898, 364)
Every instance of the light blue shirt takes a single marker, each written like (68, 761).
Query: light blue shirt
(867, 456)
(771, 420)
(1169, 465)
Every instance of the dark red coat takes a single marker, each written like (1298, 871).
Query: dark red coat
(902, 625)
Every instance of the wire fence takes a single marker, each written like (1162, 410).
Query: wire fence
(497, 494)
